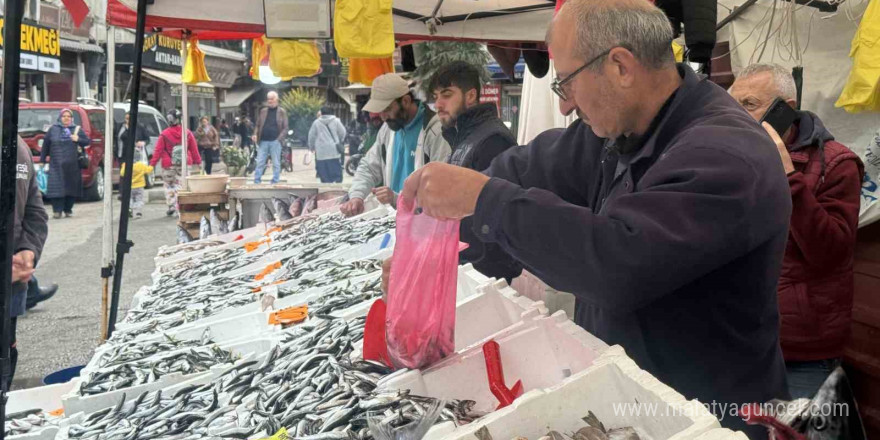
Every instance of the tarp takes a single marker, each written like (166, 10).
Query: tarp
(539, 107)
(485, 20)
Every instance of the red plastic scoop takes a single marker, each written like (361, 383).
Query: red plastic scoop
(375, 347)
(506, 396)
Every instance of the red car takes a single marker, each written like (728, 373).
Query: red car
(34, 120)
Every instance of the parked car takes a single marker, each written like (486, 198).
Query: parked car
(150, 119)
(34, 120)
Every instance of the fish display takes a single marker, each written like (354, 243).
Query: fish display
(265, 216)
(204, 228)
(182, 236)
(311, 204)
(594, 430)
(296, 205)
(282, 210)
(25, 422)
(214, 220)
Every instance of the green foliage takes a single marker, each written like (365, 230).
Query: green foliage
(235, 159)
(302, 105)
(434, 54)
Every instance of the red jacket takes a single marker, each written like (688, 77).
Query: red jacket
(165, 147)
(816, 285)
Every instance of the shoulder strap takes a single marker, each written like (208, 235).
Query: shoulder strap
(329, 131)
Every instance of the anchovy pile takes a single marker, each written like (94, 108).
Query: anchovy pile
(28, 421)
(186, 247)
(124, 375)
(308, 384)
(135, 351)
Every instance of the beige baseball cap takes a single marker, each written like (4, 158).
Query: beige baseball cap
(385, 89)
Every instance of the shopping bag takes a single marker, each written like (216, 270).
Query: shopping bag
(42, 178)
(420, 316)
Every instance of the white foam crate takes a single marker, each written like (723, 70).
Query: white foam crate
(74, 403)
(46, 398)
(722, 434)
(541, 354)
(469, 279)
(613, 380)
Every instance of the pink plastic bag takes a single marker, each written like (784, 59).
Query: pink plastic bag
(420, 319)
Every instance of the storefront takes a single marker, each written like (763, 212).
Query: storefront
(40, 57)
(81, 60)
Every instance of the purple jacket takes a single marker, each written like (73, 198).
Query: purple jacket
(673, 250)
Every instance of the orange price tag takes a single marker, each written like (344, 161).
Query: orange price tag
(290, 315)
(269, 269)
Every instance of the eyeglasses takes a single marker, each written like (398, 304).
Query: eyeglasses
(558, 85)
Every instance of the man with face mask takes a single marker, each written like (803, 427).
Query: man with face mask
(476, 136)
(410, 138)
(664, 209)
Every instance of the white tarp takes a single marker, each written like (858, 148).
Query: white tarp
(539, 107)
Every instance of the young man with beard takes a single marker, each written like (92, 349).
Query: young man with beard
(410, 138)
(476, 136)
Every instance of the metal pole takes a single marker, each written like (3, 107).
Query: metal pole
(184, 124)
(124, 244)
(109, 139)
(8, 163)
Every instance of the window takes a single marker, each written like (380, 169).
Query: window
(148, 122)
(40, 119)
(97, 121)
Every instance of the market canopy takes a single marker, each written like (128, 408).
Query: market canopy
(485, 20)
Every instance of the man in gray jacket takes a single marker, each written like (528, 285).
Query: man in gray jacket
(30, 231)
(325, 137)
(411, 137)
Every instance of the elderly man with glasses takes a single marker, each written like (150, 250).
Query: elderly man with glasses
(663, 209)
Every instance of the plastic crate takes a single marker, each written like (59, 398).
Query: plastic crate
(541, 354)
(607, 388)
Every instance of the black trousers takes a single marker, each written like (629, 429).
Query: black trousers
(207, 158)
(64, 204)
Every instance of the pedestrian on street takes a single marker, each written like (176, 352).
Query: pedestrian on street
(169, 150)
(143, 138)
(410, 138)
(477, 136)
(209, 142)
(816, 285)
(29, 235)
(270, 134)
(62, 147)
(664, 209)
(325, 140)
(224, 129)
(138, 182)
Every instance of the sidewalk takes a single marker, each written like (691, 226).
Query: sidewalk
(301, 175)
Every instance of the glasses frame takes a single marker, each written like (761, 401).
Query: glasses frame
(557, 85)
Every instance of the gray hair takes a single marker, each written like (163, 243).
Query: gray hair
(271, 94)
(782, 78)
(636, 25)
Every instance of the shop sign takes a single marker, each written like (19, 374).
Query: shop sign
(59, 18)
(193, 91)
(163, 53)
(40, 47)
(491, 93)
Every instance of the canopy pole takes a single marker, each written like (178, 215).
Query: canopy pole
(184, 124)
(124, 244)
(8, 164)
(109, 139)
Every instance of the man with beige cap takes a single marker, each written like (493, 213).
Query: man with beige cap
(411, 137)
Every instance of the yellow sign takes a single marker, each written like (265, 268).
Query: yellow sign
(37, 40)
(159, 40)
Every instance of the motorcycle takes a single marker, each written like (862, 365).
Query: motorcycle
(286, 156)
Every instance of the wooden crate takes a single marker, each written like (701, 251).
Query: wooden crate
(193, 206)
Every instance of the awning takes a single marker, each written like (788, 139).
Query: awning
(170, 77)
(79, 46)
(235, 97)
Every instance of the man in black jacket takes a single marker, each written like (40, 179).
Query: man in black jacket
(476, 136)
(664, 210)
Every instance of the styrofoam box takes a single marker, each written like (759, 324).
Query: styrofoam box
(541, 354)
(469, 279)
(612, 381)
(74, 403)
(722, 434)
(46, 398)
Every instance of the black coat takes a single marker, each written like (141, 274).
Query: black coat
(673, 249)
(65, 175)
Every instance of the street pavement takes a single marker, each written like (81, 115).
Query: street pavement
(65, 330)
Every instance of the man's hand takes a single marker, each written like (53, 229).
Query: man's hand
(384, 194)
(254, 138)
(352, 207)
(22, 266)
(780, 148)
(445, 191)
(386, 276)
